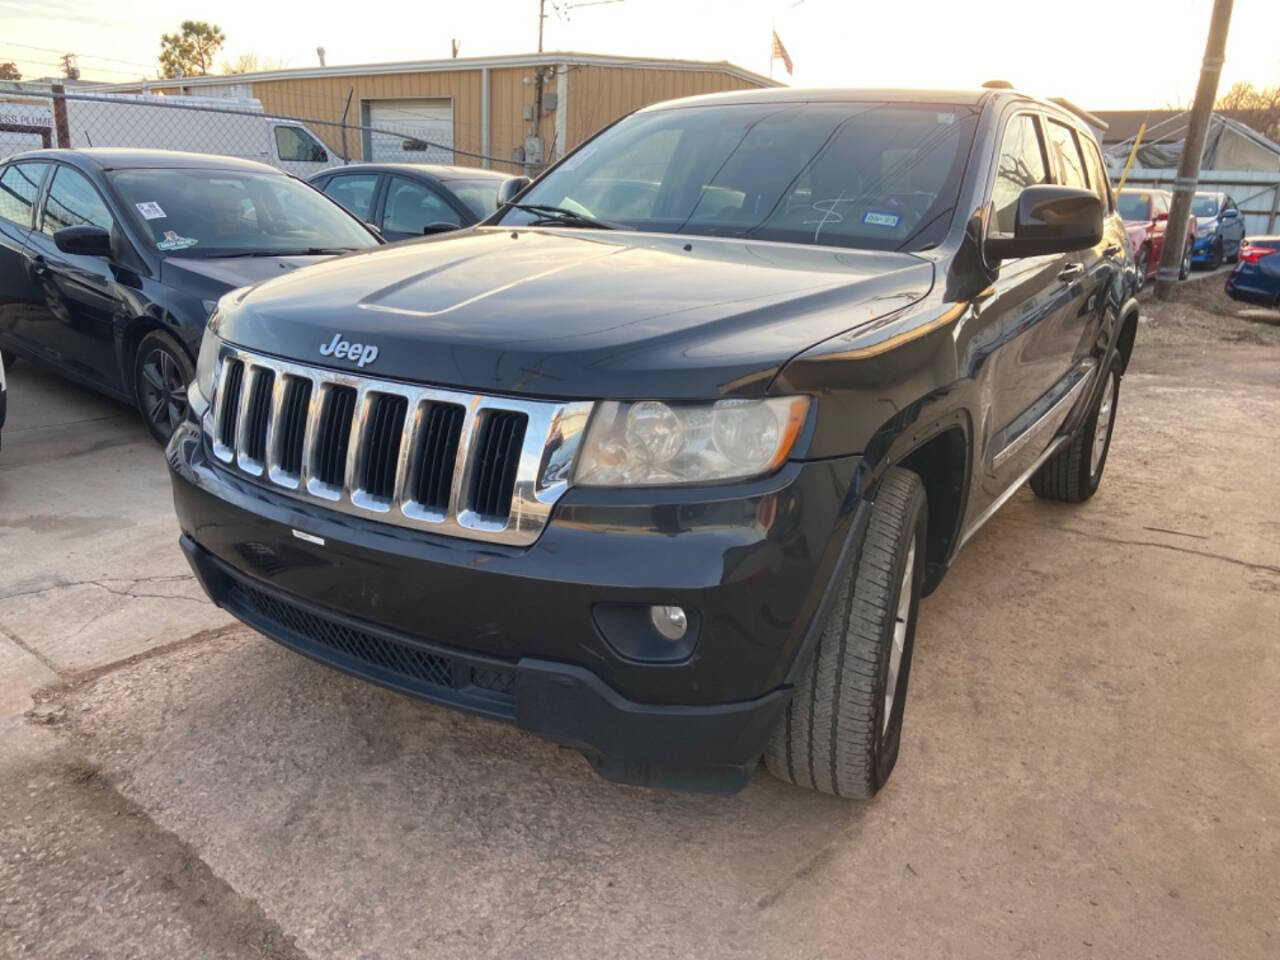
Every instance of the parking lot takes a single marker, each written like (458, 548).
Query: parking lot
(1089, 763)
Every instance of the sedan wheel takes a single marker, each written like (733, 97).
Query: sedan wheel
(161, 375)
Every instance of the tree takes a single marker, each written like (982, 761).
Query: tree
(9, 71)
(191, 50)
(1262, 102)
(252, 63)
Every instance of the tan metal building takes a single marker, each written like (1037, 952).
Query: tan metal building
(465, 110)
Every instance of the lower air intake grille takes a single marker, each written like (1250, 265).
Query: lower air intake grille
(429, 673)
(501, 438)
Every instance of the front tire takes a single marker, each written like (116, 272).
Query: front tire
(1215, 260)
(843, 727)
(161, 372)
(1185, 270)
(1074, 472)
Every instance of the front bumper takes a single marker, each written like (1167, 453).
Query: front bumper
(514, 633)
(1202, 251)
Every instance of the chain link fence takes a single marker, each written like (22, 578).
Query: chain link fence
(32, 117)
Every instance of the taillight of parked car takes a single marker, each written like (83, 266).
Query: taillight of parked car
(1252, 253)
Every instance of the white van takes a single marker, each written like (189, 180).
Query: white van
(228, 126)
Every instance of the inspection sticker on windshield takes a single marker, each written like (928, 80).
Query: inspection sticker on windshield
(880, 219)
(150, 210)
(172, 241)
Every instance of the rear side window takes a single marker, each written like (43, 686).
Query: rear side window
(19, 185)
(1021, 165)
(1062, 142)
(73, 201)
(355, 191)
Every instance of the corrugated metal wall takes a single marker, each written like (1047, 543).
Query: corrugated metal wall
(595, 96)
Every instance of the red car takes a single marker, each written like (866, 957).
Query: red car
(1145, 214)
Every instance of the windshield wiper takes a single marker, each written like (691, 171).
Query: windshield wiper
(546, 212)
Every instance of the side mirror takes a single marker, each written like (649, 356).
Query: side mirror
(85, 240)
(1049, 219)
(1230, 214)
(1161, 217)
(439, 226)
(511, 188)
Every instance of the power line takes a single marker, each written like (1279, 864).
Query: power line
(84, 56)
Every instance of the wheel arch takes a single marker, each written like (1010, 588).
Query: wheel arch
(134, 332)
(1128, 332)
(940, 452)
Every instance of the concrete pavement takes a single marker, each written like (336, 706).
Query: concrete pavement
(1088, 767)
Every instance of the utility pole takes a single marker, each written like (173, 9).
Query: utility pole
(542, 18)
(1184, 187)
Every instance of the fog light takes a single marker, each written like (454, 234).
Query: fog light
(670, 622)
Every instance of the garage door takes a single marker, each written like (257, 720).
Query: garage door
(409, 131)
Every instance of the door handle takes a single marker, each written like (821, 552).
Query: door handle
(1072, 271)
(1111, 250)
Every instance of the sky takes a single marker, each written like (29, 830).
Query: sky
(1101, 55)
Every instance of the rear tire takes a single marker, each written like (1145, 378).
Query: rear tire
(1074, 472)
(1140, 263)
(843, 727)
(1184, 271)
(161, 372)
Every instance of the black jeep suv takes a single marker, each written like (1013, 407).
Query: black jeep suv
(658, 460)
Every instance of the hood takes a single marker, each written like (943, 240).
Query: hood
(574, 313)
(217, 275)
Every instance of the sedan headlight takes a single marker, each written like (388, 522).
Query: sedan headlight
(651, 443)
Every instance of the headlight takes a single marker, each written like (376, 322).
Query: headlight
(651, 443)
(207, 363)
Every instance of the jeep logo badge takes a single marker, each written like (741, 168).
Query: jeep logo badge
(339, 347)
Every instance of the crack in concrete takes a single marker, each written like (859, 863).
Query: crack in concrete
(21, 644)
(102, 583)
(75, 679)
(1124, 541)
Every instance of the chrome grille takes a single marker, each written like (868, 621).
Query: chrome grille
(459, 464)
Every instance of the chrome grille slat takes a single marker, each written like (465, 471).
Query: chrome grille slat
(388, 474)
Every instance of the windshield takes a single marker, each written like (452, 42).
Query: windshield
(216, 213)
(1204, 205)
(1134, 206)
(876, 176)
(480, 196)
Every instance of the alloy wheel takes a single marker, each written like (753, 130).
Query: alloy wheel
(164, 391)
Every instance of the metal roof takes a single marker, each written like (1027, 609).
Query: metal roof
(550, 58)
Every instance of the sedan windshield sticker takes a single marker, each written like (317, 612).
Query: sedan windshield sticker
(150, 210)
(172, 241)
(880, 219)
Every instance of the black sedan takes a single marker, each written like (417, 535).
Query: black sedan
(111, 260)
(406, 200)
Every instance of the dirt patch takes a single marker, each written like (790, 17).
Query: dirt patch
(86, 873)
(1202, 312)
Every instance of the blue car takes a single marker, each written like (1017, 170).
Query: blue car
(1219, 229)
(1256, 278)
